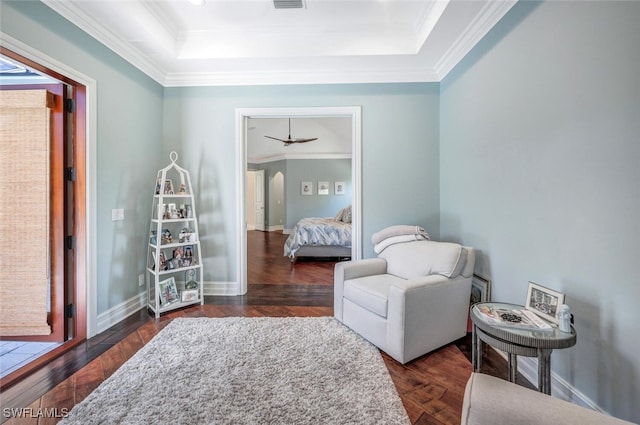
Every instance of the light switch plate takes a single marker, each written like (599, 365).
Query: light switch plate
(117, 214)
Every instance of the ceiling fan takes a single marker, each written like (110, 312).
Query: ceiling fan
(290, 141)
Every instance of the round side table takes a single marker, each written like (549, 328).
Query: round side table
(517, 342)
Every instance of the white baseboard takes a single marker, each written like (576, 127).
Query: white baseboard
(125, 309)
(275, 228)
(528, 368)
(220, 288)
(120, 312)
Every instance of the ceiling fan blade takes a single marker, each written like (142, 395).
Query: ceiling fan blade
(304, 140)
(280, 140)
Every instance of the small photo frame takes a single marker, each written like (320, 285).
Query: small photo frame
(480, 289)
(306, 188)
(339, 188)
(168, 187)
(544, 301)
(189, 295)
(323, 188)
(168, 291)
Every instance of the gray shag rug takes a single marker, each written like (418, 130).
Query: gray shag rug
(294, 370)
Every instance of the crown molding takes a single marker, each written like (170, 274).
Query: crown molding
(106, 37)
(491, 13)
(302, 76)
(386, 72)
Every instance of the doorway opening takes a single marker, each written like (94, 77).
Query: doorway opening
(243, 117)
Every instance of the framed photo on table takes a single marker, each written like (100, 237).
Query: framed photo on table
(544, 301)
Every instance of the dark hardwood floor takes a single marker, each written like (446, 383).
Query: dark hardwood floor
(431, 387)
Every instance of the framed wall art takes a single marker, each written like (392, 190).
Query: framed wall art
(306, 188)
(323, 188)
(339, 188)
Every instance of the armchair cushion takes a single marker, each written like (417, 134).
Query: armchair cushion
(422, 258)
(371, 292)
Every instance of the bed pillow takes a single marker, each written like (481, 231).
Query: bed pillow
(346, 215)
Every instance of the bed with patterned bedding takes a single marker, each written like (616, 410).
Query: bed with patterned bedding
(319, 237)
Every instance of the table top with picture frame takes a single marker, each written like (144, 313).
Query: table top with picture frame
(517, 341)
(535, 338)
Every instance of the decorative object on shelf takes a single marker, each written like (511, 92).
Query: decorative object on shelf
(168, 291)
(189, 277)
(544, 301)
(173, 213)
(189, 295)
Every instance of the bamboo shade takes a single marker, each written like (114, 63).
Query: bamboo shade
(24, 214)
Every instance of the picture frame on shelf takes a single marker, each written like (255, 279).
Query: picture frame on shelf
(168, 291)
(323, 188)
(188, 295)
(306, 188)
(339, 188)
(544, 301)
(168, 187)
(163, 261)
(480, 289)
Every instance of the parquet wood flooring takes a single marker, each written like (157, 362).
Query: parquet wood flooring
(431, 387)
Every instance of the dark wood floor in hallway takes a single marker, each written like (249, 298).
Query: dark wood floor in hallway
(431, 387)
(267, 264)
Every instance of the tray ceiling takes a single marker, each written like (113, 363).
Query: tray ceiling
(249, 42)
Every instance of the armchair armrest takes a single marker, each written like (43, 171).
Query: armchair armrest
(352, 270)
(347, 270)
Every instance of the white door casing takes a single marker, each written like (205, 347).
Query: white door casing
(242, 114)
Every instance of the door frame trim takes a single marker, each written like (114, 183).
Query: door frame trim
(90, 84)
(242, 114)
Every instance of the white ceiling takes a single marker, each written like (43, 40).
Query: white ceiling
(249, 42)
(333, 133)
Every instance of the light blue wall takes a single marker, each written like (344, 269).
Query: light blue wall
(540, 170)
(314, 170)
(129, 141)
(294, 206)
(401, 187)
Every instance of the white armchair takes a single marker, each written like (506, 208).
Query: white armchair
(410, 300)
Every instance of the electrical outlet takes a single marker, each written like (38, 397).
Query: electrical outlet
(141, 280)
